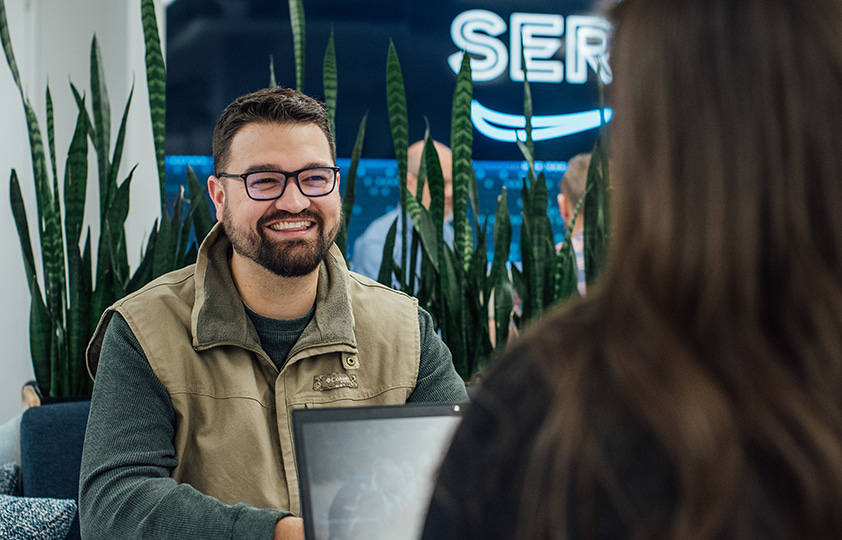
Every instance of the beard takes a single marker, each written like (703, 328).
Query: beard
(289, 258)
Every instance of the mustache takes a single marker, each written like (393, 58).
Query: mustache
(283, 214)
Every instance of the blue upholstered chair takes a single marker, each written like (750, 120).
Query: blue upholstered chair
(51, 438)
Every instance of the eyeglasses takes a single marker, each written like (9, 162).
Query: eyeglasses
(269, 185)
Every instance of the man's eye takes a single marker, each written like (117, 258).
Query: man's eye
(316, 179)
(264, 181)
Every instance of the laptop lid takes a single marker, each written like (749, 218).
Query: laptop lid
(369, 472)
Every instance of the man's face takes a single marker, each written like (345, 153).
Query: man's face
(290, 235)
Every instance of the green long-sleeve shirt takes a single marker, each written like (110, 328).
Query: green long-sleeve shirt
(125, 485)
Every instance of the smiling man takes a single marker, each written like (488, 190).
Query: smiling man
(196, 374)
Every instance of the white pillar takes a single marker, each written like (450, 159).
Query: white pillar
(52, 42)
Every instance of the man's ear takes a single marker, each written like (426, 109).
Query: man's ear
(563, 208)
(217, 194)
(411, 182)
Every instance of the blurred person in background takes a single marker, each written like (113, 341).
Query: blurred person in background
(368, 248)
(572, 189)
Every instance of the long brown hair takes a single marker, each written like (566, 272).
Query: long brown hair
(717, 329)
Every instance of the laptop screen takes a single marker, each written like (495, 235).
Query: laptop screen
(368, 472)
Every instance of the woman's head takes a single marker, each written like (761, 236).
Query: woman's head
(728, 147)
(717, 329)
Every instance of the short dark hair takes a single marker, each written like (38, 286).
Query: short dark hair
(276, 105)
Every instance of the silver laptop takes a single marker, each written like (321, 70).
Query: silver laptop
(368, 472)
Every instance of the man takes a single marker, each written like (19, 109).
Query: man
(573, 185)
(189, 433)
(368, 248)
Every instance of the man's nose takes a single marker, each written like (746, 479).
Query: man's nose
(292, 200)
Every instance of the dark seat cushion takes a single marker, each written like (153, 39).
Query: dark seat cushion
(51, 438)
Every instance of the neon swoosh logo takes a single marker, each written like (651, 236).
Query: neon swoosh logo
(510, 127)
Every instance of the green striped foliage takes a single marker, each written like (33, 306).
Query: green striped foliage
(330, 83)
(156, 82)
(63, 313)
(350, 181)
(296, 18)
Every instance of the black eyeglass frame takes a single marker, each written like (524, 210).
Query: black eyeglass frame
(287, 175)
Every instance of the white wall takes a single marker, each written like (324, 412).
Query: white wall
(51, 41)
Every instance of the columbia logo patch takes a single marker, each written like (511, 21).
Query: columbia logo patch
(330, 381)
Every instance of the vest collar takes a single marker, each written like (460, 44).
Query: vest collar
(219, 316)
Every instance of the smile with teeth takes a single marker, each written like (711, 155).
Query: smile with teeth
(285, 225)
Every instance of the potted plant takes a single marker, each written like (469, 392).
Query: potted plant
(75, 291)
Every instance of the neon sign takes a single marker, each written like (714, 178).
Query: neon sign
(537, 38)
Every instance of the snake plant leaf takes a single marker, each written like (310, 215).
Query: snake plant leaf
(421, 176)
(117, 156)
(80, 103)
(398, 118)
(115, 234)
(143, 273)
(40, 325)
(51, 134)
(330, 82)
(461, 144)
(567, 274)
(424, 226)
(103, 294)
(596, 221)
(52, 252)
(156, 84)
(435, 177)
(527, 146)
(296, 19)
(115, 211)
(452, 289)
(527, 105)
(40, 341)
(272, 80)
(39, 161)
(476, 312)
(199, 211)
(39, 317)
(566, 270)
(76, 183)
(58, 358)
(504, 305)
(387, 262)
(350, 182)
(502, 234)
(7, 47)
(399, 124)
(78, 321)
(476, 278)
(19, 214)
(181, 225)
(531, 272)
(198, 221)
(165, 247)
(102, 132)
(413, 275)
(51, 147)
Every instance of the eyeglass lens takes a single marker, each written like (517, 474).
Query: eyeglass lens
(270, 184)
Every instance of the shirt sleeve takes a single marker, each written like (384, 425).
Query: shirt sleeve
(125, 488)
(438, 380)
